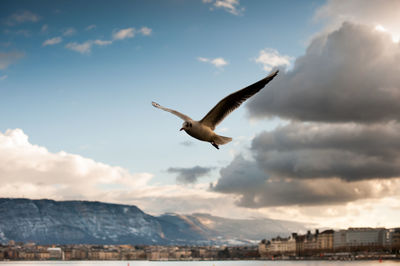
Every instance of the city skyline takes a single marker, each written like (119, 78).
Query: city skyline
(318, 145)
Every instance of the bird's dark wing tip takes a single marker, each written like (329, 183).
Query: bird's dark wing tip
(273, 74)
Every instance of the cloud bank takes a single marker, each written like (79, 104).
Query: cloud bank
(349, 75)
(256, 189)
(31, 171)
(340, 147)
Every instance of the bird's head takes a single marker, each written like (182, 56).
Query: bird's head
(187, 125)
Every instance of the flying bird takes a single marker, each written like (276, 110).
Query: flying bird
(204, 129)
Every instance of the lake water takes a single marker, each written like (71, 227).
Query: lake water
(201, 263)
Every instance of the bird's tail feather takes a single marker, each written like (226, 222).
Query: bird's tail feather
(220, 140)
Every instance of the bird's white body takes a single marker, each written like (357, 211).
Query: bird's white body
(204, 129)
(201, 132)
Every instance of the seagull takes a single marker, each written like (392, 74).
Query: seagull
(204, 129)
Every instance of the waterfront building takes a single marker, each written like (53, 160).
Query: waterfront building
(325, 241)
(278, 246)
(55, 253)
(310, 243)
(395, 243)
(339, 240)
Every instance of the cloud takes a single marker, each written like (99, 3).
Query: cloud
(187, 143)
(339, 154)
(348, 151)
(349, 75)
(32, 171)
(218, 62)
(145, 31)
(231, 6)
(90, 27)
(368, 12)
(189, 175)
(86, 47)
(9, 58)
(256, 189)
(3, 77)
(44, 28)
(270, 58)
(83, 48)
(21, 17)
(69, 32)
(102, 42)
(124, 34)
(52, 41)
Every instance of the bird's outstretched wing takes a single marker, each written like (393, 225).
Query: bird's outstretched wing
(233, 101)
(180, 115)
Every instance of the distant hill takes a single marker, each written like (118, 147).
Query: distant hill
(85, 222)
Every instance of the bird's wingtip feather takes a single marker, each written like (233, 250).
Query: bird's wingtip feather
(274, 73)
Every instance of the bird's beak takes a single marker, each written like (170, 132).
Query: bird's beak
(181, 129)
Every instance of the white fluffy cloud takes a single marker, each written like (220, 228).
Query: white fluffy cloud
(31, 171)
(270, 58)
(145, 31)
(231, 6)
(218, 62)
(117, 35)
(52, 41)
(130, 33)
(124, 34)
(83, 48)
(86, 47)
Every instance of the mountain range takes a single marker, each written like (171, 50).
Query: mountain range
(86, 222)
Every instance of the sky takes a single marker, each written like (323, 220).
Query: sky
(319, 144)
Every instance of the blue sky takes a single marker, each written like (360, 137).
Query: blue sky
(77, 78)
(98, 103)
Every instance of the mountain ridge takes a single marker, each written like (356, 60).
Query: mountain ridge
(47, 221)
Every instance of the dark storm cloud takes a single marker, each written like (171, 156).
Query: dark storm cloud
(346, 151)
(351, 74)
(348, 86)
(256, 189)
(189, 175)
